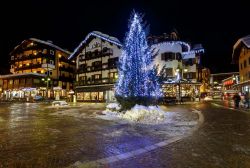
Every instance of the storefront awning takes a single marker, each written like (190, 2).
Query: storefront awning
(93, 88)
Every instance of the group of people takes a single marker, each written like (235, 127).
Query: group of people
(237, 100)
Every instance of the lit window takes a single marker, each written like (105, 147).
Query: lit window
(12, 57)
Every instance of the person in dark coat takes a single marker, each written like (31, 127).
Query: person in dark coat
(236, 99)
(247, 100)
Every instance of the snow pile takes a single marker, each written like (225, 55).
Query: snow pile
(110, 115)
(113, 107)
(138, 114)
(144, 114)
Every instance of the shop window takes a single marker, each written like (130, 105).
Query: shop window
(86, 96)
(79, 96)
(16, 82)
(100, 95)
(94, 95)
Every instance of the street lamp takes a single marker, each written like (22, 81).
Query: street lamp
(179, 74)
(47, 79)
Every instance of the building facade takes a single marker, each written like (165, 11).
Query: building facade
(241, 56)
(96, 63)
(179, 63)
(217, 83)
(52, 73)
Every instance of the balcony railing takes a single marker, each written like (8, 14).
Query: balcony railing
(30, 66)
(95, 82)
(28, 57)
(95, 54)
(104, 66)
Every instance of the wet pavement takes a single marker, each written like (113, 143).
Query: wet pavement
(36, 135)
(223, 141)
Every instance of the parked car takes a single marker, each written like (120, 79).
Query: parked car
(38, 97)
(208, 98)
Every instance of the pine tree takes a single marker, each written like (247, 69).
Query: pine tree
(138, 81)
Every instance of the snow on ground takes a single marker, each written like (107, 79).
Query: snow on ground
(139, 114)
(143, 114)
(113, 107)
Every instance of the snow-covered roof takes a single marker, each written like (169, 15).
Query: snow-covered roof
(49, 43)
(100, 35)
(245, 40)
(173, 43)
(22, 74)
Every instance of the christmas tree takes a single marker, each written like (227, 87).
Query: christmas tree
(138, 81)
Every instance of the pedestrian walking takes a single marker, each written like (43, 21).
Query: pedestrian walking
(247, 100)
(236, 99)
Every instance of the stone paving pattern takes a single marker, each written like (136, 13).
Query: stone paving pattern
(223, 141)
(33, 135)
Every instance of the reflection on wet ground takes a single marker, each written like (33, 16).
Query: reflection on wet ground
(223, 141)
(31, 135)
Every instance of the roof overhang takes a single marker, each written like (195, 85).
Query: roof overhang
(100, 35)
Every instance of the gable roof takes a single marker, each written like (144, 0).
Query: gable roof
(100, 35)
(48, 43)
(236, 50)
(245, 40)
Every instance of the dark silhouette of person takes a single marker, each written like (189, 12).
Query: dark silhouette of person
(247, 100)
(236, 99)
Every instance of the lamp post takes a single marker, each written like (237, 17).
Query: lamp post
(179, 77)
(47, 79)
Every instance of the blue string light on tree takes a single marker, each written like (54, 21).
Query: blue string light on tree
(137, 76)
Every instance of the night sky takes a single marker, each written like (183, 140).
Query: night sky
(217, 25)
